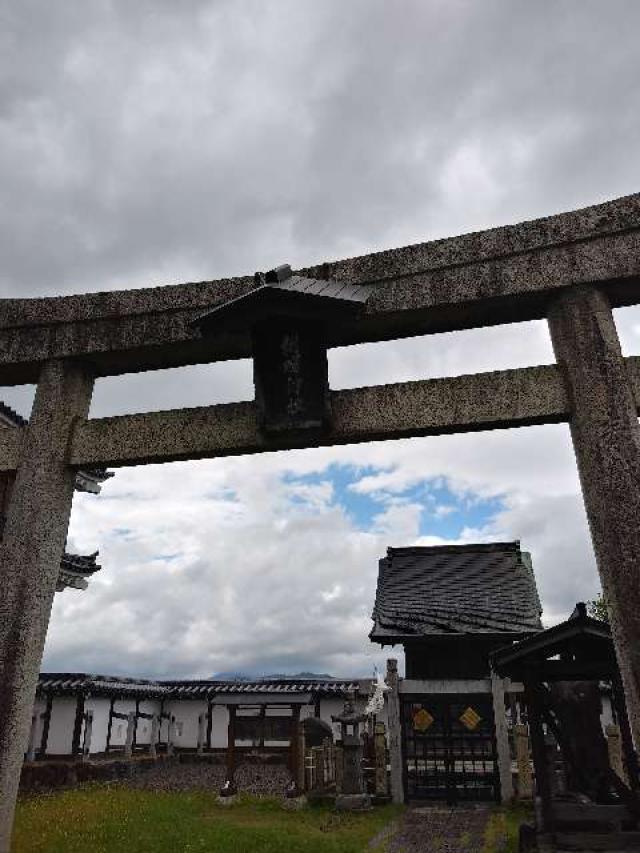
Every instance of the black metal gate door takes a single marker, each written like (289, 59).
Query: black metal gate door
(449, 748)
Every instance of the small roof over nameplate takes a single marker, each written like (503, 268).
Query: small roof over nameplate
(281, 293)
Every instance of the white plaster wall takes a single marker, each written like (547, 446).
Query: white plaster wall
(119, 727)
(186, 712)
(100, 707)
(63, 717)
(143, 730)
(39, 707)
(219, 727)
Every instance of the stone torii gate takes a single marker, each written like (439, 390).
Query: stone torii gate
(571, 269)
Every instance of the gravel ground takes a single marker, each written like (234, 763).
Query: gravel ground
(250, 778)
(440, 829)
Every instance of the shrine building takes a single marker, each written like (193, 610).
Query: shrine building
(450, 606)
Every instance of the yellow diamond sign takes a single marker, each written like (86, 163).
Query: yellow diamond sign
(470, 719)
(422, 719)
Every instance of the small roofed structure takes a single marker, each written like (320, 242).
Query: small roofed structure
(290, 320)
(561, 669)
(75, 569)
(450, 606)
(434, 599)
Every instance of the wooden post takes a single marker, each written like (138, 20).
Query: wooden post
(202, 720)
(395, 732)
(209, 722)
(135, 728)
(31, 750)
(44, 743)
(294, 742)
(339, 753)
(110, 724)
(539, 750)
(231, 743)
(380, 744)
(131, 723)
(301, 781)
(326, 761)
(502, 739)
(153, 738)
(77, 726)
(525, 777)
(170, 734)
(88, 732)
(318, 753)
(614, 746)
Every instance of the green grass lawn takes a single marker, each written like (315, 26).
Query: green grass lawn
(113, 819)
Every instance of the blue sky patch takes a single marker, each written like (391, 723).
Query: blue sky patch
(445, 513)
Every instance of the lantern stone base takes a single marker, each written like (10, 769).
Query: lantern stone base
(353, 802)
(294, 804)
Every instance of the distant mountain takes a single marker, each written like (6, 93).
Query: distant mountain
(303, 676)
(233, 676)
(245, 676)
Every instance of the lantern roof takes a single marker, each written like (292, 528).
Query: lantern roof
(280, 293)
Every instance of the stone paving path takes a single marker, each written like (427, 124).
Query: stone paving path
(441, 829)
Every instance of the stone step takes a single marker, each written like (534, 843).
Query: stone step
(610, 841)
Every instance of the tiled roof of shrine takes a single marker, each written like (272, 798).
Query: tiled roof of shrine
(455, 589)
(74, 568)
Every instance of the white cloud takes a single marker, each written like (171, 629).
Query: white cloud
(143, 143)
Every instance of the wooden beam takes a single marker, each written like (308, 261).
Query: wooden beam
(500, 275)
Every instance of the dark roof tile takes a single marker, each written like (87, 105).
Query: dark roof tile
(452, 589)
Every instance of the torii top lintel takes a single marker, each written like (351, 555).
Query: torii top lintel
(500, 275)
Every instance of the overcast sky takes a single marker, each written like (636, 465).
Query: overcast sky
(156, 142)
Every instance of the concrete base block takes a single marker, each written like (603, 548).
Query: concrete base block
(294, 804)
(227, 801)
(353, 802)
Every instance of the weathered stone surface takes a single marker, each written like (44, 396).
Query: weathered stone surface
(30, 553)
(394, 732)
(501, 399)
(502, 738)
(606, 440)
(495, 276)
(352, 802)
(430, 407)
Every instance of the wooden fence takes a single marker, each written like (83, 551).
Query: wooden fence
(322, 765)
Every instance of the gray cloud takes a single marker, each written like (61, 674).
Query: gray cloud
(155, 142)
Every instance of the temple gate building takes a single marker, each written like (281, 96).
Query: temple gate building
(450, 606)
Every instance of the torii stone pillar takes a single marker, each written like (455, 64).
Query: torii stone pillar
(606, 440)
(32, 546)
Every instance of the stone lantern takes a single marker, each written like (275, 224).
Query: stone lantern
(353, 796)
